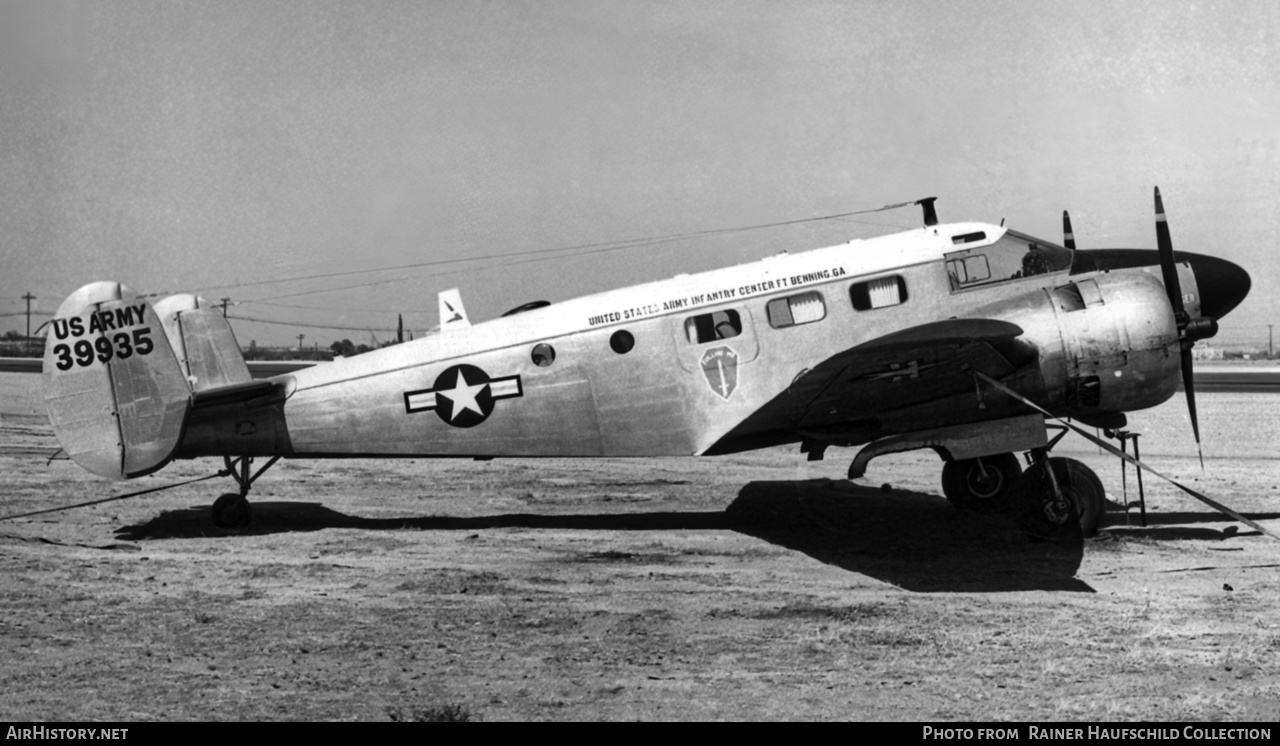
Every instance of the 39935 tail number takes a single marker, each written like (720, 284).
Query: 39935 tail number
(122, 345)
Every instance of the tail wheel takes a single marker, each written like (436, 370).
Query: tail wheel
(231, 510)
(1038, 510)
(984, 485)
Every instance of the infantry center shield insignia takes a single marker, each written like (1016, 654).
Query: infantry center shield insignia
(720, 366)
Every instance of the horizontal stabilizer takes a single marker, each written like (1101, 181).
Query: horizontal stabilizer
(235, 394)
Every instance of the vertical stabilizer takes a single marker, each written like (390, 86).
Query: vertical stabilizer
(452, 314)
(202, 341)
(115, 394)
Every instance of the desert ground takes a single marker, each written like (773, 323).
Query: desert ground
(750, 587)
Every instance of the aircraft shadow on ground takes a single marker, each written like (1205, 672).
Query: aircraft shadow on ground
(912, 540)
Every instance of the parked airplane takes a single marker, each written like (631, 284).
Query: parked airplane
(877, 342)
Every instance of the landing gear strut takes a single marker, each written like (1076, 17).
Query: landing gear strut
(232, 510)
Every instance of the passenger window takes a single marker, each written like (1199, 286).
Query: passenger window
(622, 342)
(878, 293)
(710, 327)
(543, 355)
(798, 309)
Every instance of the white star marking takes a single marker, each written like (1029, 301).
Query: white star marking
(463, 395)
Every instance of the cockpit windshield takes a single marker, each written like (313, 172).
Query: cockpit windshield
(1012, 257)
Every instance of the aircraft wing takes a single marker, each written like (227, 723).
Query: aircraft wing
(920, 374)
(921, 364)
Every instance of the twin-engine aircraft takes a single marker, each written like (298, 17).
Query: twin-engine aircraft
(884, 343)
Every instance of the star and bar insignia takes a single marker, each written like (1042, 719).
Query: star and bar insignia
(901, 371)
(463, 395)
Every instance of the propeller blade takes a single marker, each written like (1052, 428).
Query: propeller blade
(1068, 238)
(1169, 269)
(1168, 262)
(1189, 386)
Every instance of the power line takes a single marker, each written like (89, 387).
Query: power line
(307, 325)
(330, 308)
(392, 280)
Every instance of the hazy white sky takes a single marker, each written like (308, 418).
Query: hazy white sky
(209, 146)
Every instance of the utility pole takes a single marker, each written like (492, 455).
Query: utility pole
(27, 341)
(224, 307)
(1271, 347)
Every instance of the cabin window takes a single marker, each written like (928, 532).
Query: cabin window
(621, 342)
(878, 293)
(543, 355)
(710, 327)
(795, 310)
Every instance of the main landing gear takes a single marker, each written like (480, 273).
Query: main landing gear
(1054, 498)
(232, 510)
(1058, 497)
(984, 485)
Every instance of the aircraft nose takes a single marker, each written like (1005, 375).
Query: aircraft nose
(1221, 283)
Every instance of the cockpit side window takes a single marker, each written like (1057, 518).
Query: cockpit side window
(1014, 256)
(967, 269)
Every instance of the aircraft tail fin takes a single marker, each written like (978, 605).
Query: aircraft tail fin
(115, 393)
(203, 342)
(452, 314)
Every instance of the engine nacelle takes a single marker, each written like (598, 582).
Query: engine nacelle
(1108, 343)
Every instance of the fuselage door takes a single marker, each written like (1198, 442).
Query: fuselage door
(722, 339)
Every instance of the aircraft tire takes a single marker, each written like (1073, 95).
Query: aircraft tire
(966, 487)
(1034, 507)
(231, 510)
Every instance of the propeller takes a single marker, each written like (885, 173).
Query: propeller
(1068, 238)
(1189, 330)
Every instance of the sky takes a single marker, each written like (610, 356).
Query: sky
(334, 164)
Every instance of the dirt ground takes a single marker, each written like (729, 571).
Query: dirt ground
(755, 586)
